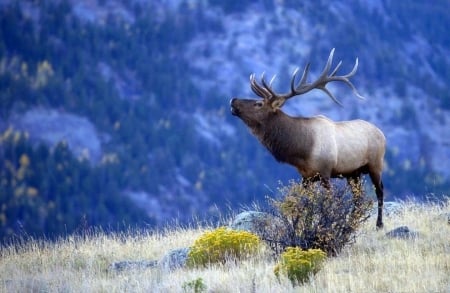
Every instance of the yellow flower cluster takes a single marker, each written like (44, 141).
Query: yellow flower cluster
(222, 244)
(298, 264)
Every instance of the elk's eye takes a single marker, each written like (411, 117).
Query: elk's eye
(259, 104)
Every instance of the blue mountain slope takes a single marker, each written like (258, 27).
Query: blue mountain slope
(154, 81)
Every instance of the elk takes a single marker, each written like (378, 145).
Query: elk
(316, 146)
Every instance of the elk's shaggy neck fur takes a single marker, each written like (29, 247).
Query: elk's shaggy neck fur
(288, 139)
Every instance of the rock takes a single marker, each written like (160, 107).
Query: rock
(249, 221)
(402, 232)
(392, 208)
(263, 225)
(129, 265)
(174, 259)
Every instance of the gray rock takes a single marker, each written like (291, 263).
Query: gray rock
(392, 208)
(249, 221)
(174, 259)
(402, 232)
(132, 265)
(261, 224)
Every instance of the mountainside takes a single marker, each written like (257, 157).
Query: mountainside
(117, 112)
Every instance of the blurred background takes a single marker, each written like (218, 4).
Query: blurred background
(115, 114)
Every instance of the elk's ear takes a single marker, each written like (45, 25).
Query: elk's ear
(277, 104)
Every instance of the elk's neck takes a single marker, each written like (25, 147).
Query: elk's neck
(286, 137)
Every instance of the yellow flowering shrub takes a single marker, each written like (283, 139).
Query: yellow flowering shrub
(222, 244)
(298, 264)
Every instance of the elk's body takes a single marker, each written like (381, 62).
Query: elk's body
(315, 145)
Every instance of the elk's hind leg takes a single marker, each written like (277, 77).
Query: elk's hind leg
(376, 180)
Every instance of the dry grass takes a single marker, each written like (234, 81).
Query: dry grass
(373, 264)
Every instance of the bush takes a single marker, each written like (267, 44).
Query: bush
(222, 244)
(196, 286)
(298, 265)
(314, 217)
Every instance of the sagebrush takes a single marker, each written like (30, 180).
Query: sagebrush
(311, 216)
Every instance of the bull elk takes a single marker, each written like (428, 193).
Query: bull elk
(317, 146)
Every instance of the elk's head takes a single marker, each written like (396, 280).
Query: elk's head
(256, 112)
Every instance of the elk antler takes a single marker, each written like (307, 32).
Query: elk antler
(266, 92)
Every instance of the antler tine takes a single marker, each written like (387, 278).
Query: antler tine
(336, 69)
(271, 80)
(257, 89)
(253, 85)
(355, 67)
(301, 82)
(345, 79)
(324, 89)
(294, 75)
(327, 67)
(302, 79)
(305, 73)
(268, 87)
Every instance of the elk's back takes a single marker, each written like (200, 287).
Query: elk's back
(359, 143)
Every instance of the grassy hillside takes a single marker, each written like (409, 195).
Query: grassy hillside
(374, 263)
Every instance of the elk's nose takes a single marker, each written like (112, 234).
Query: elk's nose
(233, 108)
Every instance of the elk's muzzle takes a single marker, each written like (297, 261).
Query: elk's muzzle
(233, 108)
